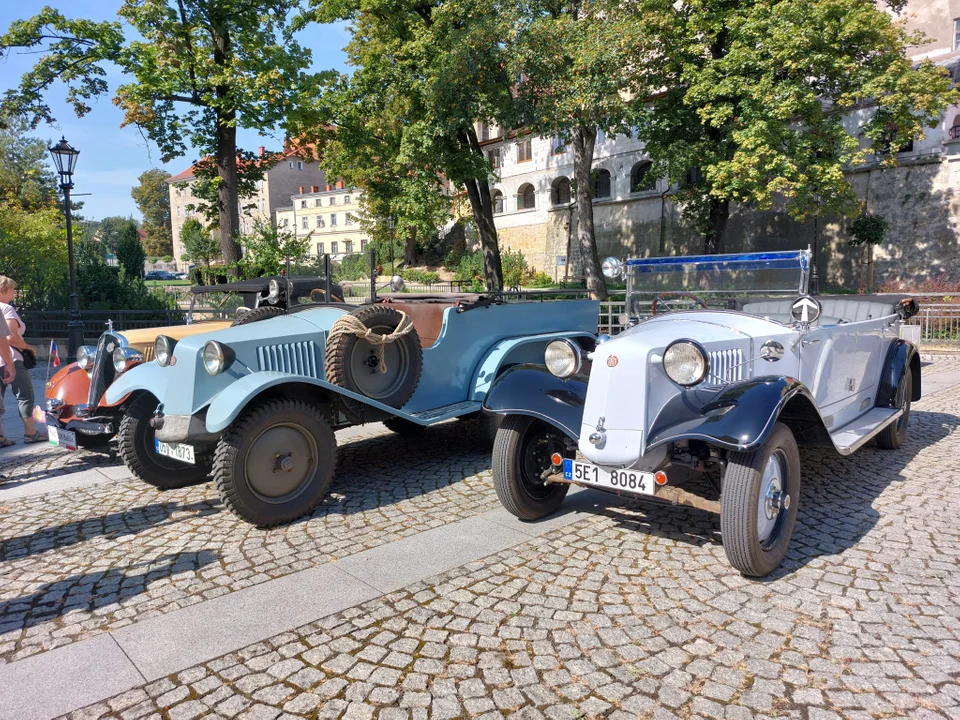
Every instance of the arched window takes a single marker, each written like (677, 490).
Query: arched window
(560, 191)
(601, 183)
(641, 179)
(955, 128)
(526, 197)
(497, 198)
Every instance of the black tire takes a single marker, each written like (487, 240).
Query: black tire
(489, 426)
(257, 314)
(753, 549)
(135, 443)
(93, 442)
(402, 426)
(283, 429)
(893, 435)
(352, 363)
(521, 452)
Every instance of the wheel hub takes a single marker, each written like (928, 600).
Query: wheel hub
(773, 500)
(280, 462)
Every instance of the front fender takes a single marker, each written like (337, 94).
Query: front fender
(533, 390)
(739, 418)
(900, 356)
(147, 376)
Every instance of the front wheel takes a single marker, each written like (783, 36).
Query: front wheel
(275, 462)
(758, 507)
(893, 435)
(522, 452)
(137, 447)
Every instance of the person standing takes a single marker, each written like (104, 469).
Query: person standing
(20, 382)
(8, 373)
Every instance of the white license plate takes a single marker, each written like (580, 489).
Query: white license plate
(630, 481)
(183, 453)
(62, 438)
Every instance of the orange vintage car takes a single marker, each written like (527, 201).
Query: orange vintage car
(76, 410)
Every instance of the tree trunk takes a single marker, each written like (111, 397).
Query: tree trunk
(410, 252)
(719, 214)
(584, 142)
(481, 202)
(228, 200)
(869, 268)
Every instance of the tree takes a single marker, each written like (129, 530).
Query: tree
(425, 73)
(114, 230)
(746, 101)
(267, 249)
(199, 245)
(152, 196)
(199, 69)
(576, 62)
(25, 177)
(130, 254)
(33, 251)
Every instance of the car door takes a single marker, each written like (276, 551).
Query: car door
(829, 369)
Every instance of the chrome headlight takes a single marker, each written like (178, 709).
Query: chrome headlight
(214, 357)
(563, 358)
(273, 294)
(612, 268)
(686, 362)
(125, 358)
(85, 355)
(163, 349)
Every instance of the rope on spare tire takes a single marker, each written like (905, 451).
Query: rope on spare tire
(350, 324)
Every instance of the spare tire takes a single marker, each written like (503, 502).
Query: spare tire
(260, 313)
(353, 363)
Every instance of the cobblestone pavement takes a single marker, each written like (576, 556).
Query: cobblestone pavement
(93, 559)
(632, 612)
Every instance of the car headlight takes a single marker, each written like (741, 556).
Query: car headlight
(85, 355)
(273, 294)
(686, 363)
(125, 358)
(611, 268)
(214, 357)
(163, 349)
(562, 358)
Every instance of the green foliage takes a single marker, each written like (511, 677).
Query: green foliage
(868, 229)
(102, 287)
(199, 246)
(113, 230)
(470, 269)
(168, 258)
(352, 267)
(33, 251)
(267, 248)
(152, 196)
(130, 254)
(540, 279)
(755, 95)
(25, 178)
(420, 276)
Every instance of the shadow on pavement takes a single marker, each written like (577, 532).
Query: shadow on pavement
(111, 526)
(90, 591)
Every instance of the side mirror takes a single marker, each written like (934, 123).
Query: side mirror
(396, 283)
(612, 268)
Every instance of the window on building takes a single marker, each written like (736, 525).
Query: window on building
(346, 199)
(557, 146)
(525, 150)
(320, 249)
(955, 128)
(363, 245)
(333, 248)
(348, 219)
(319, 220)
(333, 200)
(304, 222)
(299, 164)
(601, 183)
(303, 203)
(291, 164)
(641, 179)
(526, 197)
(349, 244)
(561, 191)
(601, 137)
(956, 34)
(286, 222)
(493, 157)
(317, 203)
(484, 132)
(497, 197)
(333, 220)
(178, 211)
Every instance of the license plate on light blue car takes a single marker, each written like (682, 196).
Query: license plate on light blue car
(631, 481)
(183, 453)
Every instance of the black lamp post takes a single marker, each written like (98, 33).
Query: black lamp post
(390, 226)
(65, 158)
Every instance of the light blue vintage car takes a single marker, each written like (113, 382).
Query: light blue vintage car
(258, 403)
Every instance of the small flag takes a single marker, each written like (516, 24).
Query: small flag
(54, 355)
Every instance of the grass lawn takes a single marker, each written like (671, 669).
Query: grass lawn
(163, 283)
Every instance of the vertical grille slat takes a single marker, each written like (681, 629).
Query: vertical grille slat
(726, 366)
(298, 358)
(102, 373)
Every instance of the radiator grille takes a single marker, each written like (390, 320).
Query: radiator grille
(102, 372)
(298, 358)
(726, 366)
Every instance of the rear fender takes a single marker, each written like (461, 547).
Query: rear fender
(534, 391)
(900, 356)
(740, 417)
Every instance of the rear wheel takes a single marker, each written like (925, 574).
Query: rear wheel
(137, 447)
(758, 506)
(275, 462)
(521, 453)
(893, 435)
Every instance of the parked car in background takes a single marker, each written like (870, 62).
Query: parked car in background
(722, 395)
(76, 411)
(181, 275)
(159, 275)
(258, 406)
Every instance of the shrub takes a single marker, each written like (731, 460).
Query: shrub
(352, 267)
(540, 279)
(420, 276)
(514, 268)
(470, 269)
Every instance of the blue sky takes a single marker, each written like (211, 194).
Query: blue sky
(111, 159)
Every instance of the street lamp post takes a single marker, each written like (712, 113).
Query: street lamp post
(65, 158)
(390, 226)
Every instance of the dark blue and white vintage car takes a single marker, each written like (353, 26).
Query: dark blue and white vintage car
(724, 394)
(258, 403)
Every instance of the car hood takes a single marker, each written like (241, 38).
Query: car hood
(144, 338)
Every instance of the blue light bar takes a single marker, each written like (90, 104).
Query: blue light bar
(783, 260)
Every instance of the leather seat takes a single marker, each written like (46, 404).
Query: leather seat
(835, 309)
(426, 314)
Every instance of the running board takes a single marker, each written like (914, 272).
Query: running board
(853, 435)
(435, 415)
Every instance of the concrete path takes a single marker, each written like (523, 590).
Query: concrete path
(12, 424)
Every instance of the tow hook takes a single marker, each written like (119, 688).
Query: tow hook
(156, 422)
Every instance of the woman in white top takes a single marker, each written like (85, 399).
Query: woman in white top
(22, 385)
